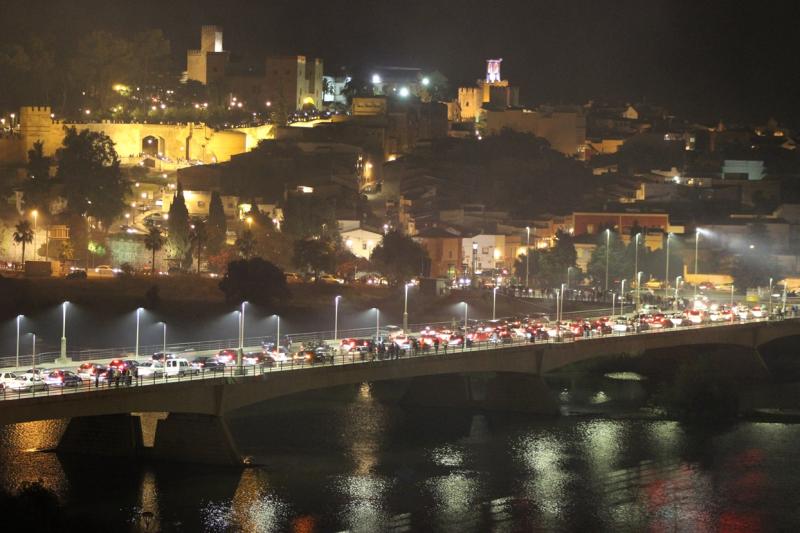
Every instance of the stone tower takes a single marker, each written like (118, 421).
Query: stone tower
(36, 124)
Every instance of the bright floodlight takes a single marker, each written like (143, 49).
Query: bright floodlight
(404, 92)
(426, 81)
(376, 78)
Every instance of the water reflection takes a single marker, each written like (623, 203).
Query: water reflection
(546, 484)
(22, 463)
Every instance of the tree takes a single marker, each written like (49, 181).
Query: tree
(88, 170)
(23, 234)
(217, 225)
(101, 61)
(36, 193)
(154, 241)
(315, 256)
(553, 264)
(66, 253)
(178, 226)
(246, 244)
(152, 56)
(199, 239)
(254, 280)
(310, 216)
(617, 262)
(398, 257)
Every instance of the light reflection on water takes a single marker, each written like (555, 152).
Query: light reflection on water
(376, 468)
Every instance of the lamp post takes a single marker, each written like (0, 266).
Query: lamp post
(164, 339)
(666, 270)
(613, 302)
(138, 314)
(377, 324)
(35, 215)
(63, 356)
(696, 250)
(558, 310)
(33, 354)
(622, 298)
(527, 256)
(677, 289)
(405, 308)
(769, 309)
(494, 303)
(732, 303)
(608, 248)
(241, 327)
(638, 286)
(474, 264)
(19, 318)
(562, 302)
(336, 318)
(636, 262)
(278, 335)
(466, 316)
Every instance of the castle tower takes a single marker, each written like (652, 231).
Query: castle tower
(208, 64)
(36, 124)
(493, 70)
(211, 39)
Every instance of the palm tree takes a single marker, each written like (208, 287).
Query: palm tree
(23, 234)
(154, 241)
(199, 238)
(246, 244)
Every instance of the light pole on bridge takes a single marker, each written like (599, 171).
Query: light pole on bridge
(164, 339)
(466, 316)
(494, 303)
(19, 318)
(138, 314)
(678, 281)
(336, 318)
(405, 309)
(63, 356)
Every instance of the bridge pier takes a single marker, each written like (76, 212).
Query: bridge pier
(105, 435)
(194, 438)
(495, 391)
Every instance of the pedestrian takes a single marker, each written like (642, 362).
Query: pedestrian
(445, 348)
(136, 374)
(109, 376)
(96, 378)
(436, 345)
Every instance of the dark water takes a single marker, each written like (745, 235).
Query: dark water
(347, 462)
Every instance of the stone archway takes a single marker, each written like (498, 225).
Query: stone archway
(153, 146)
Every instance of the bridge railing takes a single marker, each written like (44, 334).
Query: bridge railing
(100, 383)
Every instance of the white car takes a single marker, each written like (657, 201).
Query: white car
(6, 378)
(179, 367)
(105, 271)
(26, 383)
(757, 311)
(150, 369)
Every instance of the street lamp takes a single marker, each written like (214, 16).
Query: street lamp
(19, 318)
(608, 248)
(405, 308)
(613, 302)
(278, 334)
(677, 288)
(638, 286)
(636, 263)
(474, 263)
(138, 314)
(336, 318)
(696, 249)
(563, 286)
(35, 215)
(164, 339)
(377, 324)
(466, 317)
(666, 269)
(527, 256)
(64, 331)
(622, 298)
(732, 302)
(494, 303)
(769, 309)
(33, 355)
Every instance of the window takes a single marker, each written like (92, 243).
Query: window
(485, 250)
(364, 246)
(589, 228)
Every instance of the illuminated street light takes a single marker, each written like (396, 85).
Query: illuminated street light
(376, 79)
(527, 256)
(466, 317)
(666, 269)
(19, 318)
(638, 287)
(404, 92)
(377, 323)
(769, 309)
(622, 298)
(336, 318)
(636, 266)
(494, 303)
(138, 314)
(405, 308)
(677, 289)
(426, 81)
(608, 246)
(63, 357)
(697, 233)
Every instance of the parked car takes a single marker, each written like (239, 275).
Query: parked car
(7, 377)
(105, 271)
(151, 369)
(63, 378)
(293, 277)
(208, 364)
(228, 356)
(252, 358)
(89, 370)
(77, 274)
(179, 367)
(26, 383)
(163, 356)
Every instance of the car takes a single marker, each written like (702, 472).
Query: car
(757, 311)
(63, 378)
(293, 277)
(228, 356)
(252, 358)
(117, 364)
(36, 372)
(179, 367)
(88, 371)
(151, 369)
(105, 271)
(26, 383)
(330, 279)
(163, 356)
(77, 274)
(620, 325)
(208, 364)
(7, 377)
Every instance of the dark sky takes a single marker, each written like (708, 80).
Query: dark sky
(729, 59)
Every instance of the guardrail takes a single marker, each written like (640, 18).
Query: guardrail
(350, 358)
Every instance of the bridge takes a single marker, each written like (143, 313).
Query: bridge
(486, 376)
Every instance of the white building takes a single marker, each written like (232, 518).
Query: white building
(359, 240)
(489, 252)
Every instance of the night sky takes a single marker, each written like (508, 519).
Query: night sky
(714, 60)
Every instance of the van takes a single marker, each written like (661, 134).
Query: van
(178, 367)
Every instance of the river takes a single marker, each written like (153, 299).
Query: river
(348, 462)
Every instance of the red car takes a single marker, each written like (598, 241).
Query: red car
(227, 356)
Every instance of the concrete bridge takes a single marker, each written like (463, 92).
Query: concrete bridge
(505, 377)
